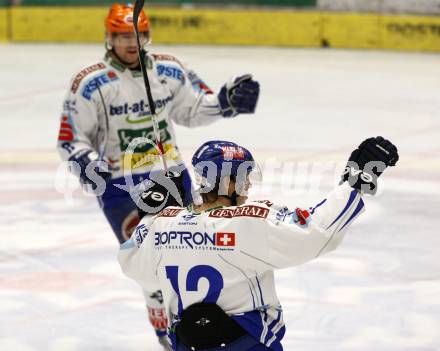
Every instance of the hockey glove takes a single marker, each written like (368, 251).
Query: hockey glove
(239, 95)
(162, 191)
(368, 162)
(89, 168)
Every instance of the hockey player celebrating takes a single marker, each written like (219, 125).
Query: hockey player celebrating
(215, 261)
(106, 108)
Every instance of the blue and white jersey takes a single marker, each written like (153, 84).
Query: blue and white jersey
(228, 255)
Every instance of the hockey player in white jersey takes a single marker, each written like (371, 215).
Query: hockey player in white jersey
(215, 262)
(106, 108)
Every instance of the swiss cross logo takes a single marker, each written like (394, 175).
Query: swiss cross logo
(225, 239)
(232, 152)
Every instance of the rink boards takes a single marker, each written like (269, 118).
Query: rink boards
(232, 27)
(4, 25)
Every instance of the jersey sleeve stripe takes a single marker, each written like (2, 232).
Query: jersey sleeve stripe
(358, 209)
(265, 326)
(277, 335)
(312, 210)
(347, 206)
(274, 326)
(252, 294)
(261, 293)
(275, 321)
(346, 212)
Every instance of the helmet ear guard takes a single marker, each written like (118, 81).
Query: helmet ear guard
(107, 43)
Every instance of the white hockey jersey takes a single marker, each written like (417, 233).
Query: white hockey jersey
(228, 255)
(180, 97)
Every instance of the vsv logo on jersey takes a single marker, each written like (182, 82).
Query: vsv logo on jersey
(197, 240)
(97, 82)
(282, 213)
(140, 234)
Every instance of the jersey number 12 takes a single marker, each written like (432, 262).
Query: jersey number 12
(213, 276)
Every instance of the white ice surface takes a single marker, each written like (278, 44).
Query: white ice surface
(60, 285)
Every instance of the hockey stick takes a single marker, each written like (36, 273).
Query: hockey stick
(138, 5)
(103, 146)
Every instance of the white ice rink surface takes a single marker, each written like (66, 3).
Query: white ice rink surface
(60, 285)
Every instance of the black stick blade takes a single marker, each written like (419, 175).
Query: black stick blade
(138, 6)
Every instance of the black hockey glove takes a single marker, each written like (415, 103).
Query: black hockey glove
(368, 162)
(240, 95)
(89, 168)
(161, 191)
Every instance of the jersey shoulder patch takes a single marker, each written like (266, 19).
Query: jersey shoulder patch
(97, 81)
(166, 57)
(298, 216)
(170, 211)
(140, 234)
(247, 210)
(84, 73)
(169, 67)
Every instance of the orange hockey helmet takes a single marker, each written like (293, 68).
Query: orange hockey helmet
(120, 20)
